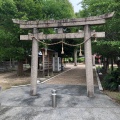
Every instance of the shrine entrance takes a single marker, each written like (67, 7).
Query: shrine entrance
(86, 34)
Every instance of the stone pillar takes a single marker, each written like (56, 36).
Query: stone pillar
(34, 64)
(75, 57)
(88, 62)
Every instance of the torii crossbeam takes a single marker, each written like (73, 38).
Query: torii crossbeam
(94, 20)
(61, 36)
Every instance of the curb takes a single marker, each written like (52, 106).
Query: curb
(54, 76)
(98, 80)
(20, 86)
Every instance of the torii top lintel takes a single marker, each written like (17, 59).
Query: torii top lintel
(64, 22)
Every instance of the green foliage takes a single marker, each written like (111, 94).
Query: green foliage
(7, 11)
(111, 51)
(109, 46)
(81, 59)
(98, 7)
(28, 9)
(10, 45)
(112, 80)
(57, 9)
(118, 97)
(69, 59)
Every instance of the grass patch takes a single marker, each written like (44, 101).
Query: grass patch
(114, 95)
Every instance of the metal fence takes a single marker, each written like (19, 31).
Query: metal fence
(7, 65)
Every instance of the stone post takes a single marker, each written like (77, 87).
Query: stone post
(34, 64)
(75, 57)
(88, 62)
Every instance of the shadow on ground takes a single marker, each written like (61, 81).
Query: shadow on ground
(72, 104)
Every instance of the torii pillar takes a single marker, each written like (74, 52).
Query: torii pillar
(34, 64)
(88, 61)
(75, 57)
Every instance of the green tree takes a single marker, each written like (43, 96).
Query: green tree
(59, 9)
(111, 27)
(11, 46)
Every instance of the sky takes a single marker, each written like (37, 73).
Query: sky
(74, 3)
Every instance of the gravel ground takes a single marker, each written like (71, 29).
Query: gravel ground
(75, 76)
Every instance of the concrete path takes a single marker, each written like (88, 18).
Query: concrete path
(72, 104)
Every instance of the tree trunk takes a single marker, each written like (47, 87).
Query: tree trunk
(20, 68)
(38, 63)
(13, 63)
(61, 63)
(29, 60)
(106, 64)
(118, 63)
(112, 64)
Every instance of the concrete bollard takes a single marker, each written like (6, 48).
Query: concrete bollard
(54, 98)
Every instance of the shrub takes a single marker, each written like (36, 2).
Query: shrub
(112, 80)
(81, 59)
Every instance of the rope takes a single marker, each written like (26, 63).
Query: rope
(47, 43)
(71, 44)
(62, 42)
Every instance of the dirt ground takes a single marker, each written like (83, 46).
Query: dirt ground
(76, 76)
(8, 79)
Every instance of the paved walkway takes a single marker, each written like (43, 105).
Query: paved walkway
(72, 104)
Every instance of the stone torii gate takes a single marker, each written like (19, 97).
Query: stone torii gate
(87, 34)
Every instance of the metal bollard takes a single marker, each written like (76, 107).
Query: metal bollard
(0, 91)
(54, 98)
